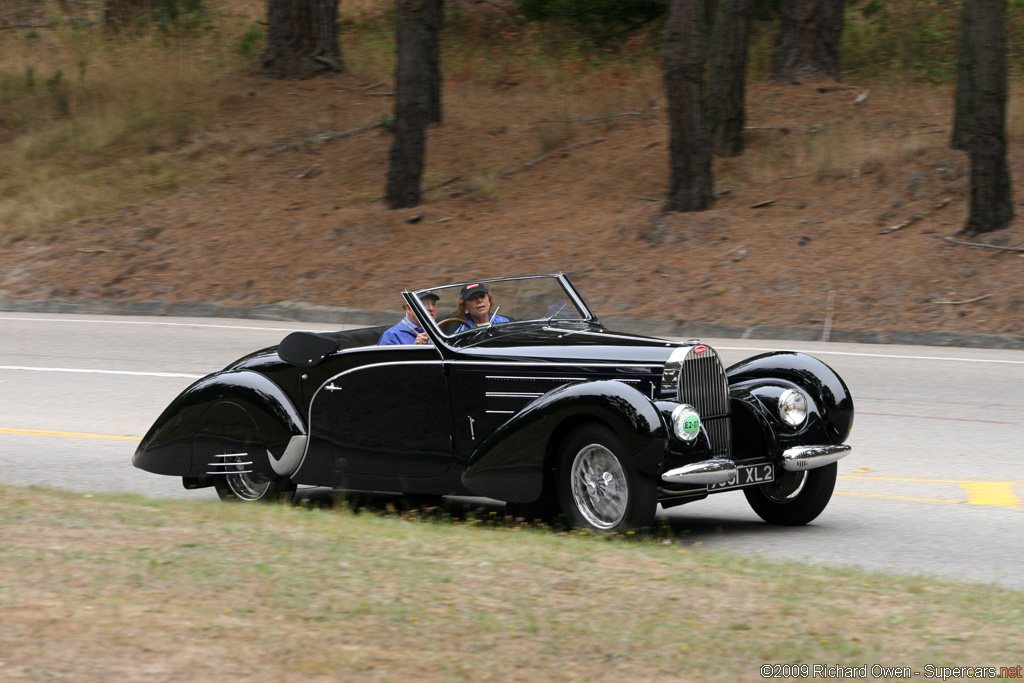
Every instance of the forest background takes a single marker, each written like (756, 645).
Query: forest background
(155, 167)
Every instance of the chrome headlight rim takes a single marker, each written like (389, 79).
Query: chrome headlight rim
(686, 423)
(792, 407)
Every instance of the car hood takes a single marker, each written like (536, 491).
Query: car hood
(565, 342)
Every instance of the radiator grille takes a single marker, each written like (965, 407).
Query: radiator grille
(701, 382)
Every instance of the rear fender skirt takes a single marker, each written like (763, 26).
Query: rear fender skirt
(510, 464)
(823, 386)
(167, 447)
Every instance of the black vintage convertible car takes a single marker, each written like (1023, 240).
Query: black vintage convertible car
(548, 411)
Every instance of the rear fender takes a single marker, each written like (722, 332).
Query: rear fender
(832, 411)
(510, 464)
(197, 413)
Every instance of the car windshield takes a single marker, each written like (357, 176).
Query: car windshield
(519, 299)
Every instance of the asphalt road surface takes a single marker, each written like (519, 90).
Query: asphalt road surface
(934, 486)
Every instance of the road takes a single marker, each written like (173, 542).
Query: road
(934, 485)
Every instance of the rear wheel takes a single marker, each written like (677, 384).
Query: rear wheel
(598, 487)
(240, 484)
(794, 498)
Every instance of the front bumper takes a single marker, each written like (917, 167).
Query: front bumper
(721, 470)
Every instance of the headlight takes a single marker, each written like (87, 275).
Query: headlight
(686, 423)
(792, 407)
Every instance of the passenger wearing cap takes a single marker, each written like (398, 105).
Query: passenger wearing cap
(474, 306)
(408, 330)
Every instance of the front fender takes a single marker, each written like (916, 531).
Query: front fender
(167, 446)
(823, 385)
(510, 464)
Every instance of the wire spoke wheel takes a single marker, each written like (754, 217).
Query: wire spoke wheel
(599, 487)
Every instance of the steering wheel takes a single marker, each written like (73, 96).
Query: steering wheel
(451, 320)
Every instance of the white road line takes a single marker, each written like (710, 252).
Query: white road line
(878, 355)
(153, 322)
(189, 375)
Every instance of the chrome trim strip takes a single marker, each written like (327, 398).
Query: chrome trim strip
(541, 379)
(513, 394)
(552, 364)
(714, 471)
(212, 474)
(800, 458)
(500, 412)
(616, 335)
(230, 455)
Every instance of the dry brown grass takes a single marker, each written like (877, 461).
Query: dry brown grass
(121, 587)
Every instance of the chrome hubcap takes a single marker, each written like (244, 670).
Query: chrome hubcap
(242, 483)
(599, 487)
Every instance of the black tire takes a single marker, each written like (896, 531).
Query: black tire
(794, 498)
(598, 487)
(245, 487)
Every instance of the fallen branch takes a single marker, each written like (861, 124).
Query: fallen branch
(913, 219)
(967, 301)
(767, 202)
(596, 119)
(984, 246)
(320, 138)
(533, 162)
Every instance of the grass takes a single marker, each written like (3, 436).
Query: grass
(126, 586)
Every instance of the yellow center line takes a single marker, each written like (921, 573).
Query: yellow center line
(991, 493)
(884, 495)
(931, 481)
(73, 435)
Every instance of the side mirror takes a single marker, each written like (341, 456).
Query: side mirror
(306, 349)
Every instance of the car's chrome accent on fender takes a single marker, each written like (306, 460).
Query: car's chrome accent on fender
(714, 471)
(333, 387)
(291, 457)
(501, 412)
(230, 466)
(472, 432)
(801, 458)
(513, 394)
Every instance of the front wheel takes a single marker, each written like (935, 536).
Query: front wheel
(598, 487)
(794, 498)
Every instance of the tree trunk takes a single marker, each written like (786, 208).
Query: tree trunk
(412, 103)
(690, 183)
(983, 123)
(808, 43)
(432, 57)
(728, 76)
(966, 67)
(303, 39)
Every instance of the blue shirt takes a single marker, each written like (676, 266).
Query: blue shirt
(469, 323)
(404, 332)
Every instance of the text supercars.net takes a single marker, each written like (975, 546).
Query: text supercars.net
(879, 671)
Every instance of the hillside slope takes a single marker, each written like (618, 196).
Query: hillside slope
(795, 238)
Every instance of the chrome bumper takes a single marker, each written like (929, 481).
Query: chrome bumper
(800, 458)
(717, 471)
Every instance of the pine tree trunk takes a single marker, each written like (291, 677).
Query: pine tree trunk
(690, 182)
(412, 102)
(728, 76)
(808, 43)
(303, 39)
(984, 126)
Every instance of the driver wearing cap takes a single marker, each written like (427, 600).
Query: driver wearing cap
(474, 306)
(408, 330)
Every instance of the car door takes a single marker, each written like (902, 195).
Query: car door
(389, 415)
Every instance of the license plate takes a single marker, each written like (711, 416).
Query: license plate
(747, 475)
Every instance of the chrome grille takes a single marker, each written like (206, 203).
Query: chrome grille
(699, 379)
